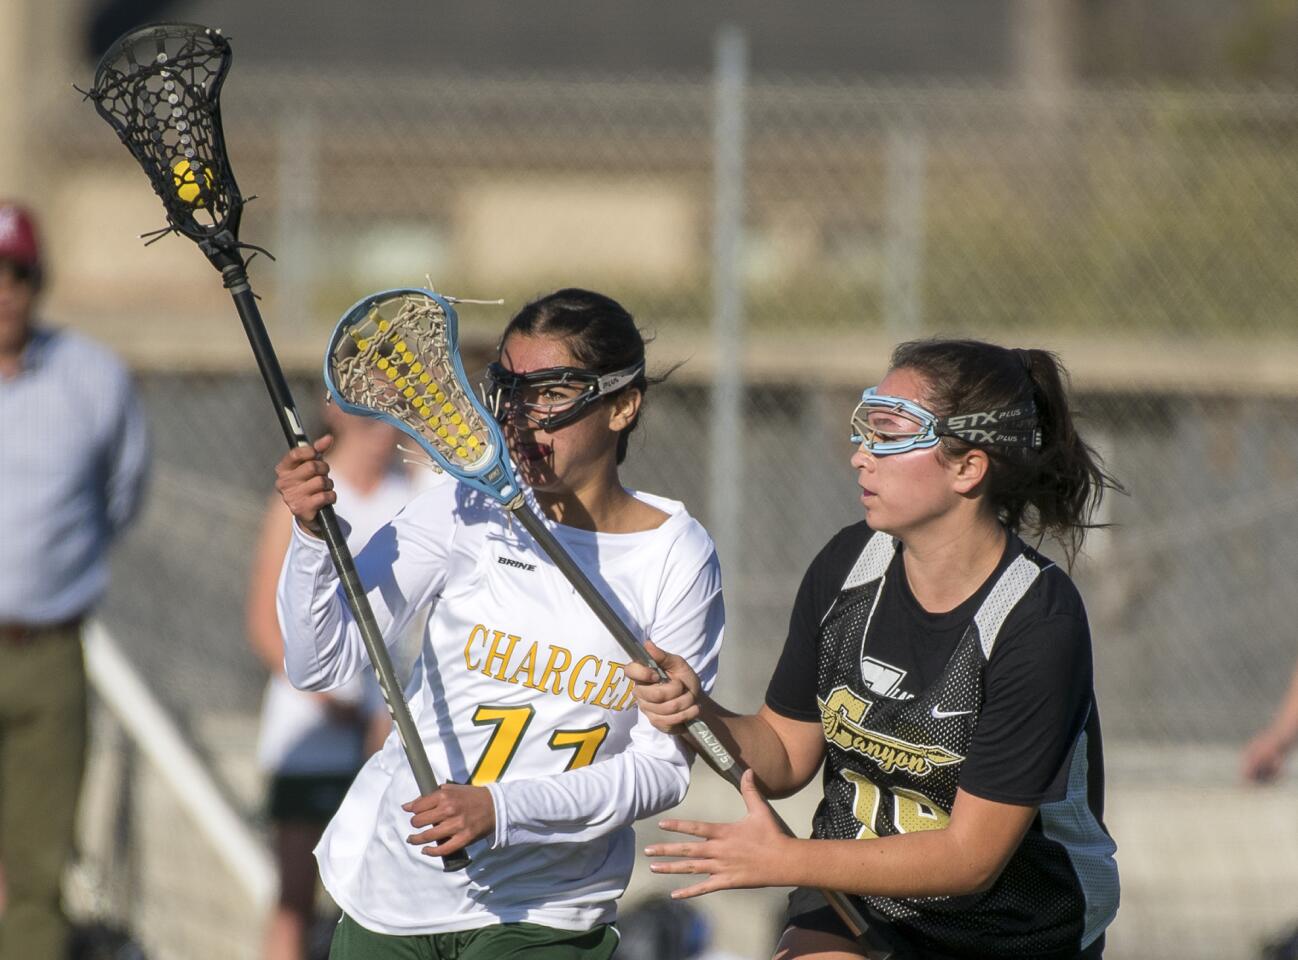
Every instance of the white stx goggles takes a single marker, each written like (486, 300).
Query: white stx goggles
(887, 425)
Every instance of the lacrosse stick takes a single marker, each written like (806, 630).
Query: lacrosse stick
(395, 356)
(159, 87)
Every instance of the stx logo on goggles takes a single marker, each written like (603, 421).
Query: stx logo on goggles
(993, 437)
(967, 421)
(1018, 427)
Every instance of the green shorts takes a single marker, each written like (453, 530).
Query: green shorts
(313, 798)
(505, 941)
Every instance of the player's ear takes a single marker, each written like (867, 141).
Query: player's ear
(624, 407)
(968, 470)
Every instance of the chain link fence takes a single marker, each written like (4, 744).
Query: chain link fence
(1146, 235)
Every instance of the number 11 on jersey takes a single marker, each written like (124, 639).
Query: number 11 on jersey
(511, 724)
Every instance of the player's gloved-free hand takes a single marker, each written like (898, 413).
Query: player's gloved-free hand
(302, 479)
(753, 852)
(455, 816)
(668, 705)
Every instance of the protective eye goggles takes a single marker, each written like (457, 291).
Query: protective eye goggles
(887, 425)
(551, 398)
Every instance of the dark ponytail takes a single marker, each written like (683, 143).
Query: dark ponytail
(597, 330)
(1052, 491)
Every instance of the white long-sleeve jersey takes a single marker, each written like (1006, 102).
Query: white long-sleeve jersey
(518, 688)
(297, 735)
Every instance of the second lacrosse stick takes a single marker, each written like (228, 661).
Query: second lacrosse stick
(159, 88)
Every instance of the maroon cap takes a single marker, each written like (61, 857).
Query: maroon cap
(18, 235)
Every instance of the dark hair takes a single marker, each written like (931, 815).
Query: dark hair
(597, 330)
(1052, 490)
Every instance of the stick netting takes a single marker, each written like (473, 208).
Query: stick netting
(159, 88)
(397, 360)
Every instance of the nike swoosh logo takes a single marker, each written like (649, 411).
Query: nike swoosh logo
(938, 714)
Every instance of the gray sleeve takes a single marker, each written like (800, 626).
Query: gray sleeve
(127, 460)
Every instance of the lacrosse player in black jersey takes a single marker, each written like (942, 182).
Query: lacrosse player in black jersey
(940, 670)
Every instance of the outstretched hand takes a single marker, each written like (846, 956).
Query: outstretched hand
(455, 816)
(669, 705)
(753, 852)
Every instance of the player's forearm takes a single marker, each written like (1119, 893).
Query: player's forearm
(1284, 725)
(1287, 714)
(322, 644)
(755, 743)
(266, 643)
(588, 802)
(926, 864)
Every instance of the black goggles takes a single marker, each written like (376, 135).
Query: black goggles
(551, 398)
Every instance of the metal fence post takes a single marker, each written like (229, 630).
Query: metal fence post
(726, 417)
(904, 239)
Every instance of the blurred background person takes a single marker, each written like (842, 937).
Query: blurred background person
(312, 744)
(73, 460)
(1263, 761)
(1264, 755)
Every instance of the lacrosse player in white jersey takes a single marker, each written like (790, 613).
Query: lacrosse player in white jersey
(519, 694)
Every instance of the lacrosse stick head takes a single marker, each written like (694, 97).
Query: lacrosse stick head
(159, 87)
(395, 355)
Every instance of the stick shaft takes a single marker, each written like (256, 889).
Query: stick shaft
(237, 283)
(710, 747)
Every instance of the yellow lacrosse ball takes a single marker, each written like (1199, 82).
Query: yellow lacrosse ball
(184, 175)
